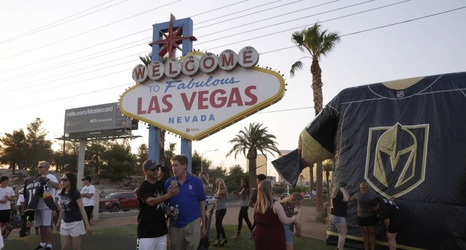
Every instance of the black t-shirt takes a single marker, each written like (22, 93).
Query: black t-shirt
(339, 206)
(70, 206)
(388, 209)
(151, 219)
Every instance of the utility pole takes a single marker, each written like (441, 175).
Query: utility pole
(202, 157)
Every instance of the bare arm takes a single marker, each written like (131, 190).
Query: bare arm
(52, 183)
(278, 209)
(203, 222)
(84, 215)
(242, 195)
(297, 223)
(60, 217)
(88, 195)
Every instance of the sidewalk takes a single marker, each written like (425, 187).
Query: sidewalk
(310, 228)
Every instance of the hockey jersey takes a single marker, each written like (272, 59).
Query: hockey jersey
(37, 189)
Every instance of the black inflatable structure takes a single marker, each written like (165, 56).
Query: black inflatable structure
(407, 139)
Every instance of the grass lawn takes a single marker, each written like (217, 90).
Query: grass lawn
(124, 237)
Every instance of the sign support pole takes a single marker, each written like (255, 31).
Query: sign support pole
(170, 43)
(81, 154)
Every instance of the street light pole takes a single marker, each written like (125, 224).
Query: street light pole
(202, 157)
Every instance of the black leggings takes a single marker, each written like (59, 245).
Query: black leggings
(219, 214)
(243, 214)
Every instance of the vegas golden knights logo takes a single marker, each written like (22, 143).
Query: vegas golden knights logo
(396, 158)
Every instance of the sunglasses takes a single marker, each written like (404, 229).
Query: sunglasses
(153, 169)
(41, 167)
(64, 179)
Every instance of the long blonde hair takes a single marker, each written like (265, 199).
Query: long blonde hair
(294, 198)
(223, 188)
(264, 197)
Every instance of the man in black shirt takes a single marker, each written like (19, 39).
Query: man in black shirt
(390, 214)
(152, 226)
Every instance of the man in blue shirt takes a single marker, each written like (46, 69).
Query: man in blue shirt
(189, 226)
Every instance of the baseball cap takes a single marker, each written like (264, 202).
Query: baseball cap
(149, 164)
(86, 178)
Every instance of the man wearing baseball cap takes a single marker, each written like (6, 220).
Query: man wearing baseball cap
(87, 192)
(152, 227)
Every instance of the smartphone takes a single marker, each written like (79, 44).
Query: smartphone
(174, 183)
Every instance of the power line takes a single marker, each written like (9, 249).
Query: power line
(60, 22)
(294, 28)
(112, 40)
(88, 31)
(375, 28)
(381, 27)
(53, 67)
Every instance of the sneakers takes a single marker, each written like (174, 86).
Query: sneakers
(42, 248)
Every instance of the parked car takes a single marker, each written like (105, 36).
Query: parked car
(307, 196)
(284, 195)
(118, 200)
(210, 199)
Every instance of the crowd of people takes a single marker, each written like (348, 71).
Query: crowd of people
(175, 207)
(370, 210)
(172, 210)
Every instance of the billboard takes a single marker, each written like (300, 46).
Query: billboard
(96, 121)
(202, 93)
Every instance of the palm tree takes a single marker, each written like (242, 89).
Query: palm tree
(318, 43)
(249, 141)
(327, 166)
(301, 178)
(147, 59)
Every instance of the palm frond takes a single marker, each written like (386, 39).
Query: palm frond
(297, 65)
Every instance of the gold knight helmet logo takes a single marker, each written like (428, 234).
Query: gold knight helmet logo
(396, 158)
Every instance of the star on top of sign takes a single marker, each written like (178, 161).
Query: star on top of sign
(172, 39)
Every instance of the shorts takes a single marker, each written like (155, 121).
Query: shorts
(334, 219)
(28, 215)
(73, 229)
(395, 226)
(370, 221)
(5, 215)
(157, 243)
(288, 234)
(89, 210)
(43, 217)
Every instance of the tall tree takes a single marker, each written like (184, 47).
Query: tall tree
(251, 140)
(317, 43)
(94, 151)
(327, 166)
(169, 153)
(233, 180)
(119, 162)
(13, 149)
(67, 156)
(39, 148)
(143, 154)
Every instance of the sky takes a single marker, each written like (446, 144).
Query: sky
(58, 55)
